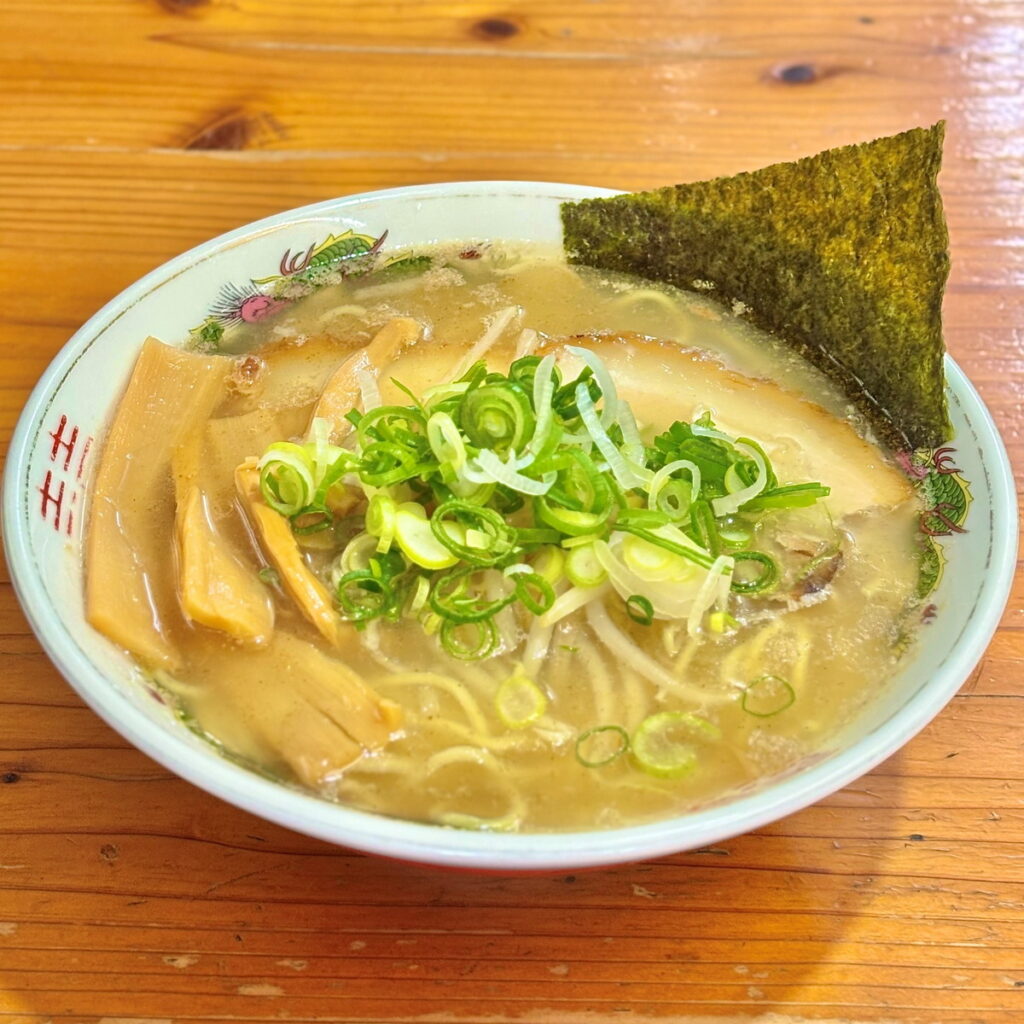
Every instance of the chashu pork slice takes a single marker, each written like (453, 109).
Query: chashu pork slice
(664, 382)
(342, 392)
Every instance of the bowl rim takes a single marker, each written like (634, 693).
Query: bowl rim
(432, 844)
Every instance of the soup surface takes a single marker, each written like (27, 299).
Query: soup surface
(623, 721)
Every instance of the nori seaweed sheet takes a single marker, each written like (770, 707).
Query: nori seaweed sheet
(843, 255)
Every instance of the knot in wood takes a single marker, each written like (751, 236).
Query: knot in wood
(495, 28)
(181, 6)
(795, 74)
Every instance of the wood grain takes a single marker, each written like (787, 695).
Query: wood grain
(133, 129)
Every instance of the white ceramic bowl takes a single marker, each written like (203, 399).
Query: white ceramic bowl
(53, 456)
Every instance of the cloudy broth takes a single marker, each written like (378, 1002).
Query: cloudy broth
(831, 629)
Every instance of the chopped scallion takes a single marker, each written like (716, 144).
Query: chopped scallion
(601, 745)
(468, 641)
(311, 520)
(519, 702)
(418, 542)
(286, 478)
(531, 489)
(487, 537)
(766, 576)
(767, 695)
(582, 566)
(640, 610)
(667, 744)
(381, 520)
(363, 595)
(548, 561)
(459, 595)
(534, 592)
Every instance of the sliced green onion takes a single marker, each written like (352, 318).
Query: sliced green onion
(466, 490)
(397, 424)
(447, 444)
(418, 596)
(497, 417)
(473, 823)
(563, 402)
(468, 641)
(632, 445)
(487, 467)
(714, 588)
(578, 542)
(593, 749)
(639, 609)
(610, 412)
(624, 474)
(771, 482)
(533, 479)
(431, 622)
(733, 480)
(645, 518)
(475, 373)
(356, 555)
(456, 595)
(653, 563)
(311, 520)
(667, 744)
(582, 566)
(680, 545)
(547, 561)
(545, 379)
(418, 542)
(495, 539)
(667, 495)
(519, 702)
(381, 520)
(534, 592)
(286, 478)
(766, 577)
(704, 526)
(674, 499)
(370, 394)
(515, 568)
(385, 463)
(363, 595)
(319, 446)
(766, 696)
(735, 499)
(792, 496)
(523, 371)
(713, 454)
(269, 575)
(537, 535)
(504, 500)
(343, 464)
(581, 499)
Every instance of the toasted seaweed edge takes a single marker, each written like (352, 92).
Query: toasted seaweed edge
(842, 255)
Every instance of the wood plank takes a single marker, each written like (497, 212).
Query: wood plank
(134, 129)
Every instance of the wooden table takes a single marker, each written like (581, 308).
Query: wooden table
(133, 129)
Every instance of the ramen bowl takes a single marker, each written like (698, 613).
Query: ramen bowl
(969, 518)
